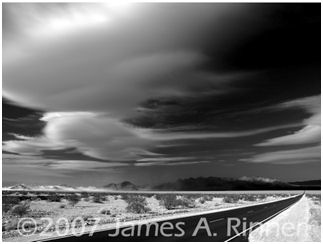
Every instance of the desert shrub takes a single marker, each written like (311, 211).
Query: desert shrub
(85, 195)
(192, 197)
(261, 196)
(126, 197)
(202, 200)
(250, 198)
(38, 213)
(21, 209)
(130, 196)
(12, 224)
(54, 198)
(62, 206)
(89, 219)
(205, 198)
(208, 197)
(28, 225)
(137, 207)
(105, 211)
(76, 220)
(6, 208)
(171, 201)
(10, 200)
(186, 202)
(231, 199)
(73, 199)
(98, 198)
(133, 197)
(137, 204)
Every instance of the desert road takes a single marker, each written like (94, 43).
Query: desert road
(229, 225)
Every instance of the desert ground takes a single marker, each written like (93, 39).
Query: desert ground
(55, 212)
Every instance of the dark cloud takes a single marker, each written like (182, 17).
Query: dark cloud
(20, 121)
(199, 87)
(289, 37)
(68, 153)
(12, 110)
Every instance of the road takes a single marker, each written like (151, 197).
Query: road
(218, 226)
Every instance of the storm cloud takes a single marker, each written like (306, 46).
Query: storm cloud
(164, 84)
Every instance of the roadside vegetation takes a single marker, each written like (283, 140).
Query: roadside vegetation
(136, 204)
(110, 207)
(172, 201)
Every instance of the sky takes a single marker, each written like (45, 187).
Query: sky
(153, 92)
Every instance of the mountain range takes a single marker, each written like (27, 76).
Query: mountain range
(243, 183)
(125, 186)
(189, 184)
(24, 187)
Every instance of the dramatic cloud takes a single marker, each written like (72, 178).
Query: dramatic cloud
(166, 135)
(78, 165)
(34, 161)
(114, 59)
(98, 136)
(197, 86)
(161, 159)
(92, 134)
(163, 163)
(311, 133)
(30, 145)
(113, 76)
(295, 156)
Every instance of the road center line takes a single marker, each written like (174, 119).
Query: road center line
(216, 220)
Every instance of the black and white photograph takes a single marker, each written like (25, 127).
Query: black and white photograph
(161, 121)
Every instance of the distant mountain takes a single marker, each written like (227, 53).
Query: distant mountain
(307, 183)
(19, 187)
(23, 187)
(226, 184)
(189, 184)
(123, 186)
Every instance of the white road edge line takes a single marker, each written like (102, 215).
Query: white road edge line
(239, 234)
(212, 221)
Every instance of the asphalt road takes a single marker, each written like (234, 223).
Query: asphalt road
(218, 226)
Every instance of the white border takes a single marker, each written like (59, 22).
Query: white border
(233, 1)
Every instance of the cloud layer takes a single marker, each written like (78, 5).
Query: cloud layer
(127, 60)
(295, 156)
(194, 86)
(92, 134)
(310, 133)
